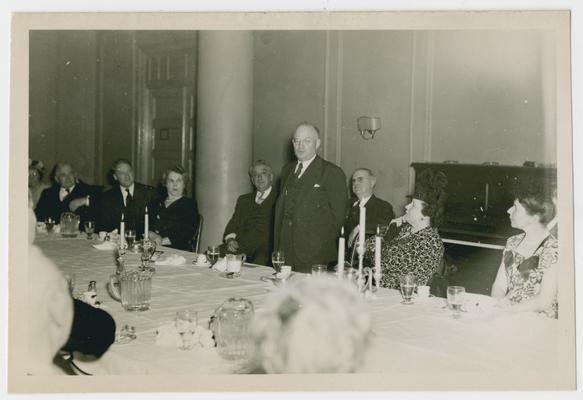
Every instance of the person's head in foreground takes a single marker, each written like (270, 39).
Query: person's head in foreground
(428, 201)
(50, 307)
(317, 325)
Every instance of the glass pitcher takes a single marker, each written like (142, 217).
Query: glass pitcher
(231, 328)
(132, 288)
(69, 224)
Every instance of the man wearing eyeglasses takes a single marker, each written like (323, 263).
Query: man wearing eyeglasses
(127, 197)
(311, 207)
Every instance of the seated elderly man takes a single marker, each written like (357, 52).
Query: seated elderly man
(126, 197)
(250, 230)
(378, 211)
(67, 194)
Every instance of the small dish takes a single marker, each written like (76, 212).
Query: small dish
(230, 275)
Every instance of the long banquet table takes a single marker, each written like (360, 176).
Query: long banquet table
(422, 337)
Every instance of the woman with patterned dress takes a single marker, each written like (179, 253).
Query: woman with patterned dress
(528, 274)
(417, 248)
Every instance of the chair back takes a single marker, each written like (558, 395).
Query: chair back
(198, 234)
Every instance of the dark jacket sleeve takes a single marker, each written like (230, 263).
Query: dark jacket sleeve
(179, 224)
(43, 207)
(93, 330)
(235, 222)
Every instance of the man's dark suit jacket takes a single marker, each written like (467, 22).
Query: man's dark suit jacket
(319, 213)
(178, 222)
(112, 206)
(378, 212)
(253, 225)
(49, 204)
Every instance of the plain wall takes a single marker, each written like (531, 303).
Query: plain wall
(470, 96)
(62, 95)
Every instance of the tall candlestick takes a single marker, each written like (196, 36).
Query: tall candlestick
(362, 228)
(122, 231)
(146, 224)
(341, 245)
(377, 257)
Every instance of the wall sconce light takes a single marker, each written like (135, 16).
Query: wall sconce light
(368, 126)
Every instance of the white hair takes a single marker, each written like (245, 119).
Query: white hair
(318, 325)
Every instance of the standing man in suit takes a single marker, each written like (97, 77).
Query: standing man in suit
(127, 197)
(312, 204)
(250, 229)
(378, 211)
(68, 194)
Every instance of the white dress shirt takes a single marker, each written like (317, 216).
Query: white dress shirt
(124, 193)
(65, 192)
(305, 165)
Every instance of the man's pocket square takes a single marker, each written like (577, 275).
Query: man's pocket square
(316, 185)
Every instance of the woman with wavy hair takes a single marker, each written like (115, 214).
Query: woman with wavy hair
(174, 217)
(416, 248)
(318, 325)
(528, 274)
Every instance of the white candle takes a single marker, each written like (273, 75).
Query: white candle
(146, 224)
(362, 228)
(341, 245)
(122, 229)
(377, 255)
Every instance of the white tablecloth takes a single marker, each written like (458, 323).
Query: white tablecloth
(418, 338)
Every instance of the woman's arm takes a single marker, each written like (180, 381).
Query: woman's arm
(500, 286)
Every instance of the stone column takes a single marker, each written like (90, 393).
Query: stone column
(224, 124)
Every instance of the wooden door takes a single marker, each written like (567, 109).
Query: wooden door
(166, 104)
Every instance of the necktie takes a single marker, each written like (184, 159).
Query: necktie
(129, 198)
(299, 170)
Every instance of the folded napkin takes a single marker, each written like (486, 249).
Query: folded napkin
(172, 259)
(108, 245)
(221, 265)
(168, 336)
(478, 303)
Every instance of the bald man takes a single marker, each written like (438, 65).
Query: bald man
(312, 203)
(68, 194)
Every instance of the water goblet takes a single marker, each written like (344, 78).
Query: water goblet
(89, 229)
(407, 284)
(455, 299)
(186, 322)
(130, 238)
(277, 259)
(49, 223)
(319, 269)
(213, 254)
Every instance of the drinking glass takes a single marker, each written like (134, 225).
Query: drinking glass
(89, 229)
(130, 238)
(319, 269)
(277, 259)
(213, 254)
(455, 299)
(49, 223)
(407, 285)
(186, 322)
